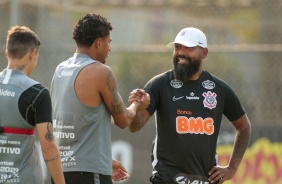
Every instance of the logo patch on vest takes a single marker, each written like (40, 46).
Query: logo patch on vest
(210, 100)
(63, 72)
(7, 93)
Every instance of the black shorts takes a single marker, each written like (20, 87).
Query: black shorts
(157, 179)
(167, 174)
(86, 178)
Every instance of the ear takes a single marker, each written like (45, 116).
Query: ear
(97, 43)
(33, 53)
(7, 54)
(205, 52)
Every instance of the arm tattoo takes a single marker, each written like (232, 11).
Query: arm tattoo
(137, 123)
(51, 159)
(116, 104)
(49, 136)
(241, 143)
(240, 146)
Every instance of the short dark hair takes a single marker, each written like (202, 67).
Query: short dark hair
(20, 40)
(89, 28)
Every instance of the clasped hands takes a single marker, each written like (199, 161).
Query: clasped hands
(140, 98)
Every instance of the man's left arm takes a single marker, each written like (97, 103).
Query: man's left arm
(243, 133)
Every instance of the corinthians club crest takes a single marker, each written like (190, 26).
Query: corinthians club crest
(210, 100)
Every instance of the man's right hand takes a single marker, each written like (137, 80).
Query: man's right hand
(145, 103)
(140, 98)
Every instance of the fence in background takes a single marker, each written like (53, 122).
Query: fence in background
(245, 49)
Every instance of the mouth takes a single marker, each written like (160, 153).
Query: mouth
(182, 61)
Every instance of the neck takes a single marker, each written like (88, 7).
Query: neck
(83, 50)
(16, 66)
(87, 51)
(19, 66)
(196, 75)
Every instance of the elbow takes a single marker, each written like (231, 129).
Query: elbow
(122, 125)
(132, 129)
(48, 151)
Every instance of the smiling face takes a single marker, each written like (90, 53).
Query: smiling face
(187, 61)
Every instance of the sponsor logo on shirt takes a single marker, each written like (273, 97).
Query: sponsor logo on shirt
(177, 98)
(9, 169)
(7, 93)
(9, 142)
(10, 150)
(63, 72)
(64, 135)
(9, 174)
(181, 112)
(6, 163)
(192, 97)
(189, 97)
(210, 100)
(190, 179)
(193, 125)
(208, 84)
(176, 83)
(182, 180)
(67, 156)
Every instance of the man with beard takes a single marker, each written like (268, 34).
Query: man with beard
(189, 103)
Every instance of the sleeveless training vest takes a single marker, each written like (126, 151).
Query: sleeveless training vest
(83, 133)
(19, 159)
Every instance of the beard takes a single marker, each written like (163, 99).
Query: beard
(185, 71)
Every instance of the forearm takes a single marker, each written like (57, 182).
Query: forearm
(53, 162)
(131, 112)
(128, 115)
(240, 146)
(139, 121)
(136, 124)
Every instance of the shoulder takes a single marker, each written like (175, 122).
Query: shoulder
(97, 69)
(97, 74)
(23, 81)
(215, 80)
(62, 64)
(165, 76)
(36, 91)
(35, 95)
(159, 81)
(38, 87)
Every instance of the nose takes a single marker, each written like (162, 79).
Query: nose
(183, 51)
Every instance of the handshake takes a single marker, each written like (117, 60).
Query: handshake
(139, 98)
